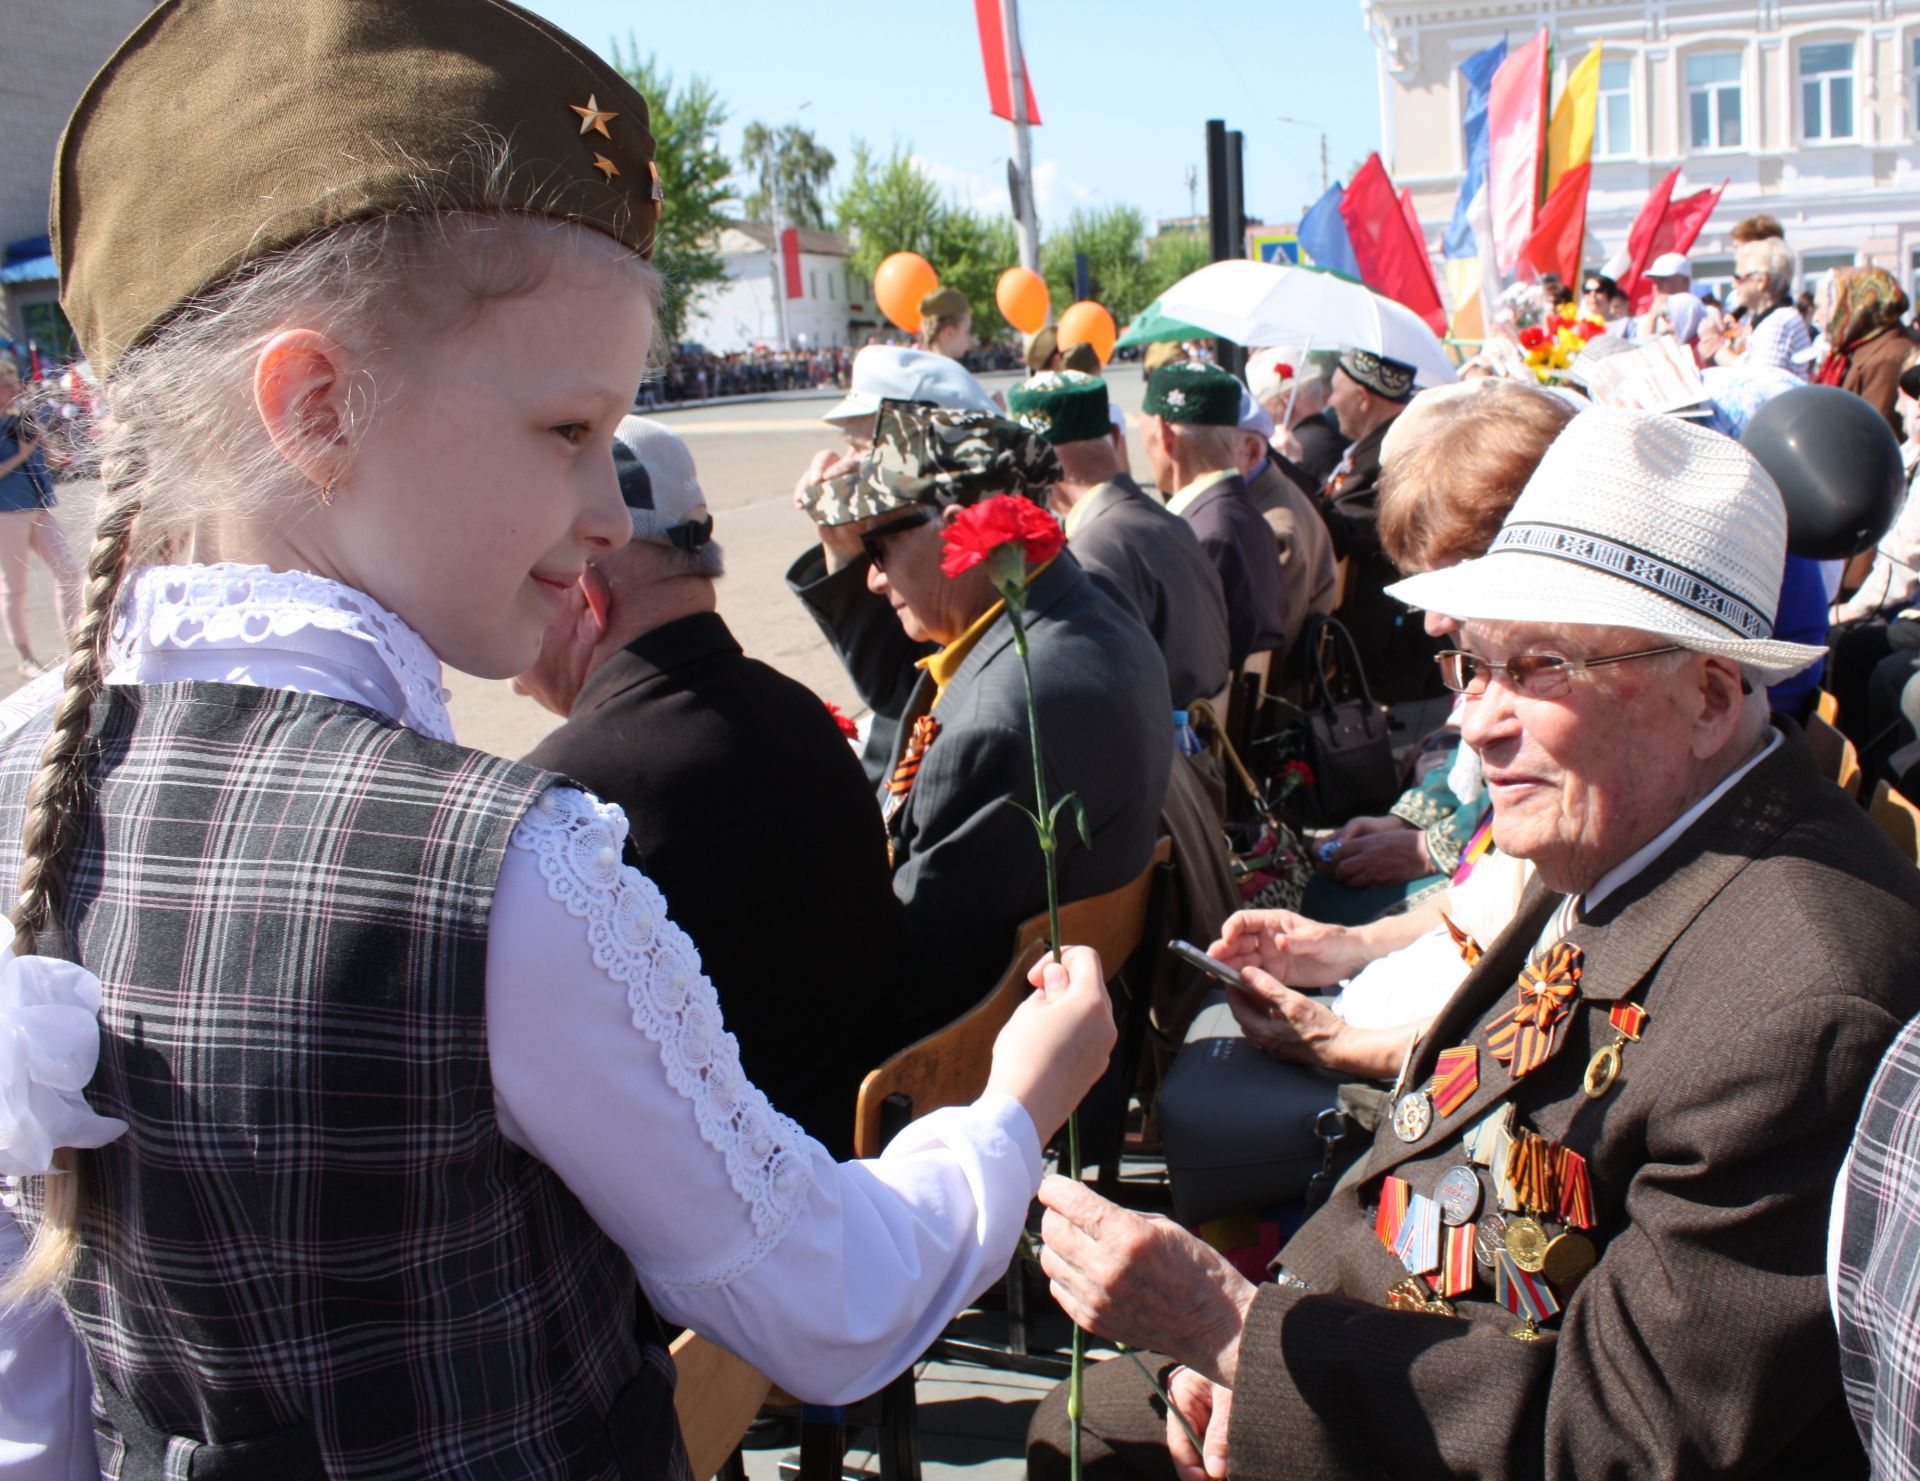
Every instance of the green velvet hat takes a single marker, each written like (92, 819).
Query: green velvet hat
(1200, 395)
(1061, 406)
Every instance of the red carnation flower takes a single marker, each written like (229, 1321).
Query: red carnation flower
(1004, 520)
(1300, 769)
(847, 728)
(1532, 337)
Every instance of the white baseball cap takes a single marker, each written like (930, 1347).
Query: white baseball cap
(1253, 416)
(1670, 265)
(658, 483)
(890, 373)
(1637, 520)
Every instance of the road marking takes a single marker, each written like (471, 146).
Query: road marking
(705, 429)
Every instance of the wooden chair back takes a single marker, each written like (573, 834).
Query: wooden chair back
(1827, 707)
(717, 1397)
(1835, 755)
(1898, 818)
(949, 1066)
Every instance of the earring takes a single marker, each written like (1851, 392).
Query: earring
(326, 492)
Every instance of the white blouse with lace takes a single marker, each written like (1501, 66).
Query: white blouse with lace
(610, 1061)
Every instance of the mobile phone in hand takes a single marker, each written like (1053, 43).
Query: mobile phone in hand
(1193, 956)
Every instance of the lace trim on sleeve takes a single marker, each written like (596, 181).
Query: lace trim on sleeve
(576, 840)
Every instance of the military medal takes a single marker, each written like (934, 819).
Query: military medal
(1489, 1239)
(1412, 1294)
(1413, 1115)
(1458, 1194)
(1392, 1212)
(1526, 1244)
(1628, 1020)
(1576, 1190)
(1531, 1169)
(1455, 1276)
(1419, 1244)
(1456, 1075)
(1568, 1258)
(1480, 1141)
(1530, 1033)
(1524, 1294)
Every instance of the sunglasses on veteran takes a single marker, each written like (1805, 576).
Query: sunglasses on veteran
(873, 541)
(1536, 675)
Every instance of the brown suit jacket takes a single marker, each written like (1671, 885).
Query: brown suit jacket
(1776, 949)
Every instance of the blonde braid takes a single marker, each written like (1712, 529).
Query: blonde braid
(56, 808)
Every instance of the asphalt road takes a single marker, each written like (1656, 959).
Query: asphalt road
(748, 454)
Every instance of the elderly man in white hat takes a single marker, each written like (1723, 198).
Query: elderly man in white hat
(1589, 1237)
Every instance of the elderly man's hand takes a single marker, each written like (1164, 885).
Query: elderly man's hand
(1387, 857)
(1142, 1281)
(1290, 948)
(1283, 1023)
(839, 543)
(1206, 1407)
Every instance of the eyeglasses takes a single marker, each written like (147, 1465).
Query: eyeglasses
(1536, 675)
(1758, 272)
(1593, 288)
(871, 540)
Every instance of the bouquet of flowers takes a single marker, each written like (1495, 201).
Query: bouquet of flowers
(1551, 344)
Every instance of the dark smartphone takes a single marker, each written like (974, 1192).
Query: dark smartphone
(1193, 956)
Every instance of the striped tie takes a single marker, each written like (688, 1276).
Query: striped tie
(908, 767)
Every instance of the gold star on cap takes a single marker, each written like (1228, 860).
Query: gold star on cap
(606, 167)
(593, 116)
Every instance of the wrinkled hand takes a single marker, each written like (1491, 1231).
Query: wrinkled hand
(1383, 858)
(839, 542)
(1289, 947)
(1283, 1023)
(1367, 827)
(1142, 1281)
(1207, 1408)
(1056, 1045)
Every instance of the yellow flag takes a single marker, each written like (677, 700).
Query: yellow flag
(1570, 135)
(1463, 285)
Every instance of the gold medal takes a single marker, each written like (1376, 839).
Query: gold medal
(1568, 1257)
(1602, 1070)
(1414, 1294)
(1527, 1331)
(1527, 1243)
(1412, 1116)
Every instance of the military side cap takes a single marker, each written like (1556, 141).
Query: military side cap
(930, 455)
(1083, 358)
(1042, 348)
(224, 130)
(1161, 352)
(1061, 406)
(1188, 391)
(944, 303)
(1388, 378)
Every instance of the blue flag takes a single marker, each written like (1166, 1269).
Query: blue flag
(1323, 235)
(1478, 70)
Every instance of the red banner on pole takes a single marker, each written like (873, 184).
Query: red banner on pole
(1392, 256)
(790, 256)
(993, 52)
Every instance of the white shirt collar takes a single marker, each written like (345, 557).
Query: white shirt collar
(293, 630)
(1188, 496)
(1634, 863)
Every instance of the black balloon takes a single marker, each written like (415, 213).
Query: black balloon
(1838, 466)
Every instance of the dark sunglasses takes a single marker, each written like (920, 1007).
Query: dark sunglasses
(870, 542)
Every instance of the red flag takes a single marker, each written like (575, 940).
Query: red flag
(1677, 229)
(1420, 238)
(1640, 247)
(1516, 147)
(1393, 259)
(1561, 230)
(993, 51)
(790, 259)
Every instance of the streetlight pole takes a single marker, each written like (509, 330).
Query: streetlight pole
(1304, 124)
(778, 254)
(1029, 229)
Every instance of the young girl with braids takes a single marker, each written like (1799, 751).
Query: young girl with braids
(427, 1104)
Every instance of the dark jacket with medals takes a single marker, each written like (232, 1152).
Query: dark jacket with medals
(745, 803)
(1775, 948)
(1156, 563)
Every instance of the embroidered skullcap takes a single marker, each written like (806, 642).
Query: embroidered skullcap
(1390, 379)
(1061, 406)
(1643, 521)
(1188, 391)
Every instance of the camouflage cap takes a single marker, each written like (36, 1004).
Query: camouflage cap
(839, 501)
(930, 455)
(1200, 395)
(1062, 406)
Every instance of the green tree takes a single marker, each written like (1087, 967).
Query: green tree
(970, 250)
(1114, 240)
(790, 160)
(1171, 257)
(693, 175)
(888, 206)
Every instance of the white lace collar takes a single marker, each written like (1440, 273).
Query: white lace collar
(216, 609)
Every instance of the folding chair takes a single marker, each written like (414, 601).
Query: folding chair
(1835, 755)
(715, 1399)
(1827, 707)
(1898, 818)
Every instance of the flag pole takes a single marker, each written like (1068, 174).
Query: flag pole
(1027, 227)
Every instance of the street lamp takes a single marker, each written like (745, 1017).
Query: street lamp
(1304, 124)
(773, 245)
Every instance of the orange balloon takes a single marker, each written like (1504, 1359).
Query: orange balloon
(899, 284)
(1022, 298)
(1087, 323)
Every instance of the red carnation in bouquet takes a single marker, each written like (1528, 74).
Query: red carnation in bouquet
(1532, 337)
(1589, 329)
(1006, 522)
(847, 727)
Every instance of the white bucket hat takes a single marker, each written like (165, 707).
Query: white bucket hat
(890, 373)
(1636, 520)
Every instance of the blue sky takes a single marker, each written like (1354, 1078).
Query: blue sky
(1125, 87)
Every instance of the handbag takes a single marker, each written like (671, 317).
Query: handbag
(1345, 737)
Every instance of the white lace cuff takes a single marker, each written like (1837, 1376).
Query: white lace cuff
(49, 1045)
(577, 842)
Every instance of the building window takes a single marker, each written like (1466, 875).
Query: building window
(1826, 90)
(1713, 99)
(1613, 128)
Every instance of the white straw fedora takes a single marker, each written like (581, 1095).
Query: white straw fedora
(1636, 520)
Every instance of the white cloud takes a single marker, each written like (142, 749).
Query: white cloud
(1054, 197)
(969, 187)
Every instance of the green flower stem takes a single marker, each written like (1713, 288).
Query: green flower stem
(1016, 596)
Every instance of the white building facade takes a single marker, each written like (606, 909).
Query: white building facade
(1809, 109)
(835, 307)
